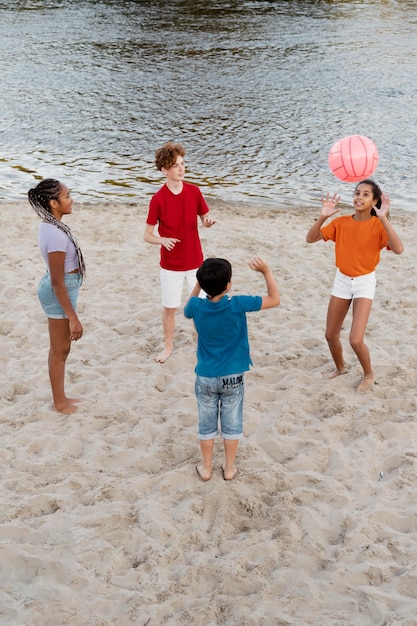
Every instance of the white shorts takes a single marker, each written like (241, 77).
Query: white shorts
(172, 284)
(358, 287)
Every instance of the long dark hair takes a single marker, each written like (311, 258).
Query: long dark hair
(40, 198)
(376, 192)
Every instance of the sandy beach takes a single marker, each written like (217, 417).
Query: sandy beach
(103, 519)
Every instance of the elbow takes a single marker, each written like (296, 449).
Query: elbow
(276, 301)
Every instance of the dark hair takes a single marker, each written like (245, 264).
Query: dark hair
(40, 198)
(166, 156)
(376, 192)
(213, 276)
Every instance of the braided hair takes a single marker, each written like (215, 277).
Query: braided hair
(39, 199)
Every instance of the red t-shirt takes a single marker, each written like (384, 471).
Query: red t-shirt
(177, 216)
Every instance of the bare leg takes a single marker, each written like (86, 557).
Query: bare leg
(168, 325)
(230, 450)
(336, 313)
(361, 310)
(59, 348)
(205, 470)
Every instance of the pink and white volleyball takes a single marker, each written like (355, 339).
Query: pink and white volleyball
(353, 158)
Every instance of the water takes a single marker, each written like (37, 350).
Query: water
(257, 92)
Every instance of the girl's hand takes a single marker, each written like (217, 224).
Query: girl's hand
(76, 329)
(169, 242)
(385, 206)
(328, 205)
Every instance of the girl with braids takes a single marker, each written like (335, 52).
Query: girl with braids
(359, 239)
(58, 289)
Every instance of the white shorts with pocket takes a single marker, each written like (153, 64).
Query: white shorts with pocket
(350, 288)
(172, 284)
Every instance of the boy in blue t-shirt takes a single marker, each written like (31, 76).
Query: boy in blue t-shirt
(223, 356)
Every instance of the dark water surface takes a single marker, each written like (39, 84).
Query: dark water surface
(257, 91)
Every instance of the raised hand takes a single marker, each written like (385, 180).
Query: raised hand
(328, 205)
(385, 206)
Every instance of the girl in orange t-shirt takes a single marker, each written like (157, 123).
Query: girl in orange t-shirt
(359, 238)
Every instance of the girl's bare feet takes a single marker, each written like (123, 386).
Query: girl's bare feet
(73, 400)
(367, 381)
(335, 373)
(67, 408)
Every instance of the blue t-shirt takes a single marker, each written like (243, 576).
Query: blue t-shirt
(223, 344)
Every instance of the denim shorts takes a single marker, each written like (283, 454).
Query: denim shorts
(220, 397)
(48, 299)
(349, 288)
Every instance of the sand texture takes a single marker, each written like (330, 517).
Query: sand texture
(103, 519)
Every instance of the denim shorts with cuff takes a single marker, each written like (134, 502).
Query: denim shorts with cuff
(48, 299)
(220, 397)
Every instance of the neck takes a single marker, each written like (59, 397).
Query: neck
(218, 297)
(361, 216)
(175, 186)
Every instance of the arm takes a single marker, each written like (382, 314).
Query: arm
(328, 208)
(195, 292)
(149, 237)
(272, 299)
(394, 241)
(56, 262)
(206, 220)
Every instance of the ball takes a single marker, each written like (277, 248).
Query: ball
(353, 158)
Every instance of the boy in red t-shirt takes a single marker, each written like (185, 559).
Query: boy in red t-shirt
(174, 210)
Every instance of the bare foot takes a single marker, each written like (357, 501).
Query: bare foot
(67, 408)
(335, 373)
(203, 474)
(367, 381)
(228, 475)
(165, 354)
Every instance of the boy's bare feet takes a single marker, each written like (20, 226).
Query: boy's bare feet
(367, 381)
(228, 475)
(203, 474)
(165, 354)
(335, 373)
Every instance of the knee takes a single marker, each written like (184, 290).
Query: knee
(61, 353)
(332, 337)
(356, 343)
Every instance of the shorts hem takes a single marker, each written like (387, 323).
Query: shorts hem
(231, 437)
(209, 436)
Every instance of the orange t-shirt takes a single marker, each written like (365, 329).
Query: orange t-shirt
(358, 244)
